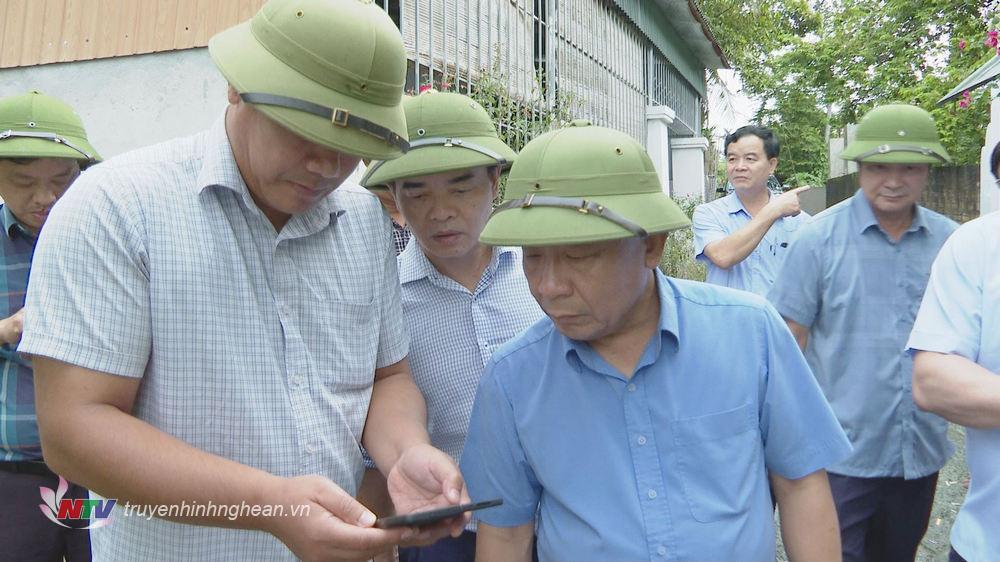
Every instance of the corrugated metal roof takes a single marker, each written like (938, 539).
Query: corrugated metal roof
(682, 20)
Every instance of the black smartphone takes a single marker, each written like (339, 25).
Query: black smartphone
(422, 518)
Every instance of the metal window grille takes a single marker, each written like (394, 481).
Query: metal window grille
(584, 51)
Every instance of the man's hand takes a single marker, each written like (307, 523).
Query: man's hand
(787, 204)
(334, 526)
(11, 327)
(426, 478)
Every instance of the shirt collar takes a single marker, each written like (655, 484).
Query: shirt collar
(668, 326)
(864, 217)
(12, 225)
(732, 204)
(414, 265)
(219, 169)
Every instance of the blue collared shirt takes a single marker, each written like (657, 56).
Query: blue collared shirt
(718, 219)
(666, 465)
(858, 291)
(960, 315)
(454, 332)
(18, 426)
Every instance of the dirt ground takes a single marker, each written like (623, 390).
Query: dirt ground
(951, 489)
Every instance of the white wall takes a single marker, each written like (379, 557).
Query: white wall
(128, 102)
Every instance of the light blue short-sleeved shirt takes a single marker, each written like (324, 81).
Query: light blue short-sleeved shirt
(252, 345)
(667, 465)
(858, 292)
(960, 315)
(454, 332)
(718, 219)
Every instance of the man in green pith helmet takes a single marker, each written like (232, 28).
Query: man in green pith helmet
(849, 290)
(222, 326)
(461, 298)
(634, 423)
(43, 147)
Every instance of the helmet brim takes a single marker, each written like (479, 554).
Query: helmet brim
(549, 226)
(436, 159)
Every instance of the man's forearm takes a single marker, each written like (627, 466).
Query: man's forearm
(809, 525)
(504, 544)
(956, 389)
(735, 248)
(397, 419)
(139, 464)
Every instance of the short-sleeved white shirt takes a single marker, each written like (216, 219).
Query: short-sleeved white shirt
(252, 345)
(960, 315)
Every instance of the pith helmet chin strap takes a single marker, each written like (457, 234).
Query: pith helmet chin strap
(339, 117)
(887, 148)
(578, 204)
(10, 134)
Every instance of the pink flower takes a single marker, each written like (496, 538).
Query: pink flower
(963, 103)
(991, 38)
(425, 87)
(962, 44)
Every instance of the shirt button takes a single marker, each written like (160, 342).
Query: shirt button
(631, 387)
(651, 493)
(662, 551)
(310, 448)
(641, 440)
(298, 381)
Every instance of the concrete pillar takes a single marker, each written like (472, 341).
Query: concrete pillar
(658, 121)
(689, 167)
(989, 195)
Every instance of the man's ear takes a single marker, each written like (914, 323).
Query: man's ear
(773, 163)
(494, 174)
(654, 248)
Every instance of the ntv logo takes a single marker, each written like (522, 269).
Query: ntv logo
(56, 507)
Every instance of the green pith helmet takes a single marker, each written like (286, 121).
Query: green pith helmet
(581, 184)
(896, 134)
(331, 71)
(448, 132)
(35, 125)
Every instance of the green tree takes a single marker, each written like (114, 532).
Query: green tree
(829, 62)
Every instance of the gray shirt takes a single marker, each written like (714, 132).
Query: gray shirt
(859, 291)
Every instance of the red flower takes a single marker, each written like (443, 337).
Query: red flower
(425, 87)
(961, 44)
(991, 38)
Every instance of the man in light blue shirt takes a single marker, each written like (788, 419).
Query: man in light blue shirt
(849, 291)
(956, 338)
(632, 424)
(461, 299)
(743, 237)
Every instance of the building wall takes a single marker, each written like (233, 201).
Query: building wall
(128, 102)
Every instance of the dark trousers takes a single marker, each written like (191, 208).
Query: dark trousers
(882, 519)
(449, 549)
(25, 533)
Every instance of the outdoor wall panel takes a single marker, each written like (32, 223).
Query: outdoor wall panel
(36, 32)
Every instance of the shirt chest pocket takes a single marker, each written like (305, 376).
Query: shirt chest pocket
(718, 456)
(345, 344)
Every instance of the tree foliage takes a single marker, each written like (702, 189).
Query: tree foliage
(827, 62)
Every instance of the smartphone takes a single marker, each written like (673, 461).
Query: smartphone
(422, 518)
